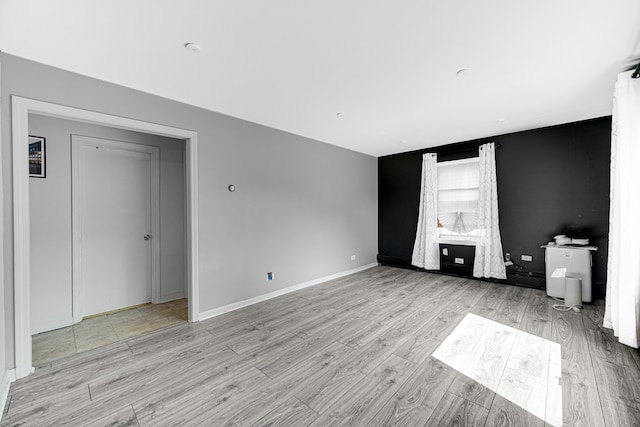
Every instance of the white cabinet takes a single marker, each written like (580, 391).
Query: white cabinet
(573, 261)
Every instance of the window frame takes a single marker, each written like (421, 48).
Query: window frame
(450, 237)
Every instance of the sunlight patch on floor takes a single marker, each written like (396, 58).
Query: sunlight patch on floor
(522, 368)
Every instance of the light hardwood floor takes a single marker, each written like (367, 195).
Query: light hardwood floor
(372, 348)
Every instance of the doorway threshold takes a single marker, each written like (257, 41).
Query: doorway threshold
(104, 329)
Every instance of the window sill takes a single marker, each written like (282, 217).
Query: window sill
(460, 242)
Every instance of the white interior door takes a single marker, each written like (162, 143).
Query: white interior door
(114, 185)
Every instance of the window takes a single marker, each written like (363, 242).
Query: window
(458, 194)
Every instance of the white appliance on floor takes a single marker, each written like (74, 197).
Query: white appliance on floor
(572, 261)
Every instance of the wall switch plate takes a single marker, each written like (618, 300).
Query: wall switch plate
(269, 276)
(353, 257)
(445, 251)
(459, 260)
(527, 258)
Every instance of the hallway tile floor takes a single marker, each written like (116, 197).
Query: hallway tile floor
(106, 329)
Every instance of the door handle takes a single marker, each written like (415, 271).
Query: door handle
(147, 237)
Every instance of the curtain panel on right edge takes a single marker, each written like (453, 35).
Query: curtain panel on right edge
(622, 301)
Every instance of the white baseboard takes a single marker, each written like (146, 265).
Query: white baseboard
(7, 378)
(171, 297)
(237, 305)
(54, 326)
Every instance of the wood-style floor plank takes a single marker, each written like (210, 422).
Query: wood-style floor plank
(454, 410)
(117, 391)
(417, 398)
(619, 390)
(614, 371)
(508, 414)
(513, 306)
(581, 402)
(490, 301)
(366, 395)
(180, 407)
(366, 349)
(261, 400)
(292, 413)
(327, 387)
(635, 354)
(537, 319)
(44, 411)
(140, 374)
(124, 417)
(65, 377)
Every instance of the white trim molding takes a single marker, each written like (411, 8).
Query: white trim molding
(170, 297)
(5, 383)
(193, 257)
(245, 303)
(52, 326)
(21, 238)
(21, 108)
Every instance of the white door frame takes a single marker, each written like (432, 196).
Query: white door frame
(21, 108)
(76, 216)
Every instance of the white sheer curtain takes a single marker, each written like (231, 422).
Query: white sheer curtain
(425, 249)
(622, 302)
(488, 261)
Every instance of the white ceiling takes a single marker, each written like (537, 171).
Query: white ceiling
(389, 66)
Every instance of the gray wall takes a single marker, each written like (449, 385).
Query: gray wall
(301, 208)
(50, 206)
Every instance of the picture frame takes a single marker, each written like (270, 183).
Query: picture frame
(37, 157)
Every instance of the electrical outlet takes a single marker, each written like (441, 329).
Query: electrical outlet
(269, 276)
(527, 258)
(507, 256)
(353, 257)
(459, 260)
(445, 251)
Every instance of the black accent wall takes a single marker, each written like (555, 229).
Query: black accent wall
(553, 180)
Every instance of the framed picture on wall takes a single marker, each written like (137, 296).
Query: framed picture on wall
(37, 157)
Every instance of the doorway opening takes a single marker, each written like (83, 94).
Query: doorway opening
(22, 109)
(107, 237)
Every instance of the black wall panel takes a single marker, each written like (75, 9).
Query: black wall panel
(551, 181)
